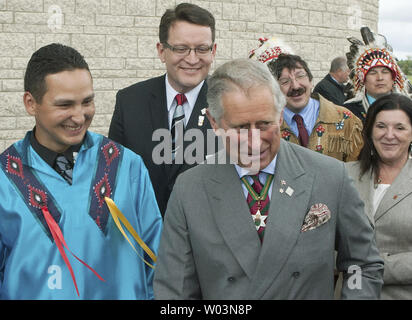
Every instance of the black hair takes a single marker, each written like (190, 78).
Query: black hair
(185, 12)
(288, 61)
(50, 59)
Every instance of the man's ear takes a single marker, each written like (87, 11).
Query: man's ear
(281, 118)
(161, 52)
(214, 50)
(212, 121)
(30, 103)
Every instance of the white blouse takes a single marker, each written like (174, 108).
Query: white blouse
(378, 195)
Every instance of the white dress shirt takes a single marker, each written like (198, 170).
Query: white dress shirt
(188, 106)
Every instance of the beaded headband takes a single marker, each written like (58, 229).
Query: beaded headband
(376, 57)
(373, 51)
(268, 50)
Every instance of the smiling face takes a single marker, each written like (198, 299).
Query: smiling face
(296, 86)
(186, 72)
(254, 110)
(65, 111)
(392, 136)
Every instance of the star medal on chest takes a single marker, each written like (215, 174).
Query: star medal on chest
(259, 220)
(259, 217)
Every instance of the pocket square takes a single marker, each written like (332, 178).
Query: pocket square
(318, 214)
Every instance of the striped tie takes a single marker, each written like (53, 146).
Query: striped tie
(64, 168)
(178, 123)
(259, 208)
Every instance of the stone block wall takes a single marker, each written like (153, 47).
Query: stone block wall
(118, 39)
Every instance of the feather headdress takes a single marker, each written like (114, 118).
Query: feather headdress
(374, 51)
(269, 49)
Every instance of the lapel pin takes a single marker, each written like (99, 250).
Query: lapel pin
(203, 111)
(200, 121)
(289, 191)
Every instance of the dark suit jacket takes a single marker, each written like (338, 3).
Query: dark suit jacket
(140, 110)
(331, 90)
(357, 108)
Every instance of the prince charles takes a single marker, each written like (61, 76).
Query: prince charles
(263, 218)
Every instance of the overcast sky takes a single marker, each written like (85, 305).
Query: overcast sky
(395, 22)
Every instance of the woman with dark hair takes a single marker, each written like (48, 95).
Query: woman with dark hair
(383, 177)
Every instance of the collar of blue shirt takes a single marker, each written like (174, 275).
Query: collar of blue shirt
(309, 114)
(263, 174)
(269, 169)
(370, 99)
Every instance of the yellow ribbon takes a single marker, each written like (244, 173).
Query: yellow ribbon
(117, 214)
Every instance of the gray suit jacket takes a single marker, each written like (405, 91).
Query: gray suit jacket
(393, 228)
(210, 248)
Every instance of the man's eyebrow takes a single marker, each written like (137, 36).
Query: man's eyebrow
(90, 97)
(63, 101)
(71, 101)
(239, 124)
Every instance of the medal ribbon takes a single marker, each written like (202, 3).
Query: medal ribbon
(60, 242)
(117, 214)
(252, 191)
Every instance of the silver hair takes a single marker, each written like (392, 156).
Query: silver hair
(241, 74)
(338, 63)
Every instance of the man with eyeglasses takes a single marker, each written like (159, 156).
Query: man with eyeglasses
(311, 120)
(175, 101)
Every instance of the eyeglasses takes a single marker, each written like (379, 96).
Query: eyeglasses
(185, 50)
(299, 76)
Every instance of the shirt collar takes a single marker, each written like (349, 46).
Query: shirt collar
(310, 109)
(370, 99)
(49, 156)
(335, 80)
(191, 95)
(269, 169)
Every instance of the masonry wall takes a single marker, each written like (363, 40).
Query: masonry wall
(118, 39)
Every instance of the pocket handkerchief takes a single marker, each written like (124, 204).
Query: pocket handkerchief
(318, 214)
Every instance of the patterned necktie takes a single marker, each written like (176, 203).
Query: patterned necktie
(64, 168)
(178, 123)
(258, 201)
(303, 134)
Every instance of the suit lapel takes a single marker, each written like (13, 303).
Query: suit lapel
(365, 187)
(158, 109)
(397, 191)
(286, 216)
(366, 190)
(200, 104)
(232, 215)
(158, 105)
